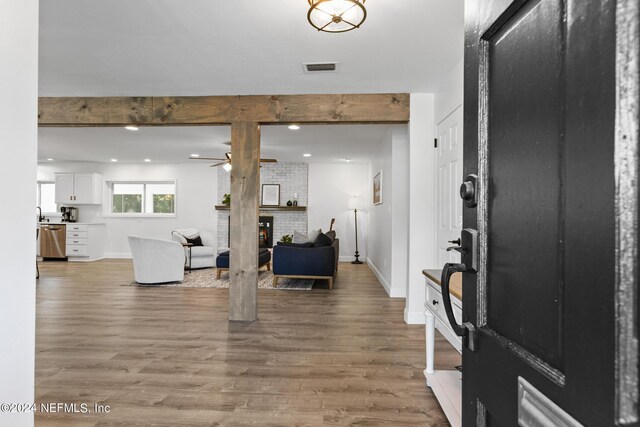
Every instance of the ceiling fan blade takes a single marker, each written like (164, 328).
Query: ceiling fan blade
(219, 164)
(206, 158)
(269, 160)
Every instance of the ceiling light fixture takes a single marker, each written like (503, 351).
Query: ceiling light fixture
(147, 160)
(336, 16)
(347, 160)
(50, 160)
(132, 128)
(294, 127)
(114, 160)
(195, 155)
(227, 167)
(306, 155)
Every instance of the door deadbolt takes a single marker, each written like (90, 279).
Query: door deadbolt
(469, 191)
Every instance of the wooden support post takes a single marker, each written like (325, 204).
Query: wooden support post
(245, 186)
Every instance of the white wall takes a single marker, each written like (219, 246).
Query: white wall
(388, 222)
(450, 91)
(400, 213)
(380, 216)
(195, 200)
(18, 140)
(330, 187)
(422, 205)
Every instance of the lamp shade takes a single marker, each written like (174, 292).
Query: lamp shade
(354, 203)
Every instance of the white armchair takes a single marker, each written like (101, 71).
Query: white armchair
(156, 261)
(201, 256)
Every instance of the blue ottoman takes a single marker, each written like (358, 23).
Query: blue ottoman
(222, 261)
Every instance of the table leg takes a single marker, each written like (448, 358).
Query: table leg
(429, 330)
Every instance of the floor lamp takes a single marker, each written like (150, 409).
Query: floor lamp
(355, 204)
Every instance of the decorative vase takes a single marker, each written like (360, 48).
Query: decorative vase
(289, 203)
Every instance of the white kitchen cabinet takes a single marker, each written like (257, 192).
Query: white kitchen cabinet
(64, 188)
(78, 188)
(85, 242)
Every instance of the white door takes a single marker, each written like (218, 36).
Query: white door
(449, 133)
(64, 188)
(83, 188)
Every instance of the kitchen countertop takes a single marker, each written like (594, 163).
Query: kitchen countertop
(455, 284)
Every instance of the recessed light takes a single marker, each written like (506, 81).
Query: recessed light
(306, 155)
(347, 160)
(195, 155)
(132, 128)
(147, 160)
(50, 160)
(294, 127)
(114, 160)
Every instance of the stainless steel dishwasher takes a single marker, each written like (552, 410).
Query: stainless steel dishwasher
(53, 241)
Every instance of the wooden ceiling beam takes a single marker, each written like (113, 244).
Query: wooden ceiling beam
(222, 110)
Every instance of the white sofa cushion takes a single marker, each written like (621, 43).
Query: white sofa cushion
(201, 251)
(189, 233)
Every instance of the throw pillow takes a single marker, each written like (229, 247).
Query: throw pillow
(323, 240)
(196, 241)
(300, 238)
(296, 245)
(314, 234)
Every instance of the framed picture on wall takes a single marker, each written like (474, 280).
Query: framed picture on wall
(377, 188)
(270, 195)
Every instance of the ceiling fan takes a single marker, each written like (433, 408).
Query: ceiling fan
(226, 162)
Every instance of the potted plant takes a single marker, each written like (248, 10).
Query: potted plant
(226, 199)
(287, 238)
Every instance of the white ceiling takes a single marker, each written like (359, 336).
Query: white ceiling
(326, 143)
(236, 47)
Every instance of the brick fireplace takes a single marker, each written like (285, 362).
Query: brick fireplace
(293, 179)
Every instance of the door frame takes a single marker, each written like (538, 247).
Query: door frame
(626, 165)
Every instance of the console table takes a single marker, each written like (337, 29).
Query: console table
(445, 384)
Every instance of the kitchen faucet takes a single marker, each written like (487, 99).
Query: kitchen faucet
(40, 216)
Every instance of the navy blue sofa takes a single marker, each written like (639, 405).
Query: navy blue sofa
(300, 262)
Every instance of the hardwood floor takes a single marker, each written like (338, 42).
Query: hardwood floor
(169, 357)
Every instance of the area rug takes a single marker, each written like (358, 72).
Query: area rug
(206, 278)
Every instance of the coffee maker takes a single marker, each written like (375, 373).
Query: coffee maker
(69, 214)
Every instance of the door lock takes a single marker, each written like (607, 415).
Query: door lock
(469, 191)
(467, 245)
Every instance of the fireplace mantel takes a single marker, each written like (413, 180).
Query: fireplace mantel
(270, 208)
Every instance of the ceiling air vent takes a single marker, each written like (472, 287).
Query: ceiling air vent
(320, 67)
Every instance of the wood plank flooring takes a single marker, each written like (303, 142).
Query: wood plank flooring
(169, 357)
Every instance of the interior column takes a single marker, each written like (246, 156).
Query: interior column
(245, 186)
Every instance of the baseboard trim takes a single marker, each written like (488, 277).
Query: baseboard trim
(391, 291)
(379, 276)
(414, 317)
(118, 255)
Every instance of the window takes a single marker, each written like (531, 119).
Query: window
(46, 197)
(143, 198)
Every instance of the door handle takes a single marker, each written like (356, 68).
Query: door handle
(466, 330)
